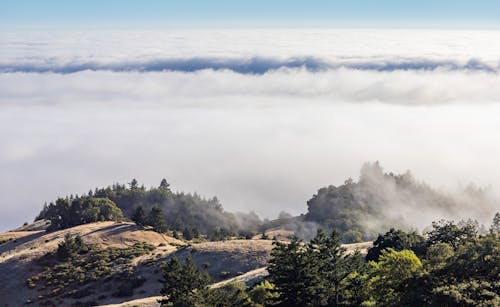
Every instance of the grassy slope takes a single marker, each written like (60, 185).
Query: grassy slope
(224, 260)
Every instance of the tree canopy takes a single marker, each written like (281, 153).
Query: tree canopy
(66, 212)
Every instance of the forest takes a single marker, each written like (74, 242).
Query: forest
(452, 265)
(158, 207)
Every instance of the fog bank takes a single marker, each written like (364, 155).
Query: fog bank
(261, 141)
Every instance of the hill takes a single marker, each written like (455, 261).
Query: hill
(241, 260)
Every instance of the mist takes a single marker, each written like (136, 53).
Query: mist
(264, 140)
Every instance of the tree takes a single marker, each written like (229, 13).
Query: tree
(289, 270)
(466, 276)
(495, 226)
(334, 266)
(183, 285)
(164, 185)
(312, 274)
(157, 219)
(264, 293)
(134, 185)
(70, 247)
(451, 233)
(186, 234)
(67, 213)
(180, 209)
(139, 216)
(397, 240)
(390, 276)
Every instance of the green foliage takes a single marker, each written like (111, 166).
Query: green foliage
(397, 240)
(264, 294)
(352, 236)
(468, 275)
(157, 220)
(322, 273)
(337, 208)
(183, 285)
(65, 212)
(74, 267)
(187, 234)
(180, 210)
(348, 207)
(231, 295)
(220, 234)
(289, 271)
(356, 288)
(139, 216)
(390, 275)
(457, 267)
(312, 274)
(438, 255)
(451, 233)
(495, 225)
(70, 247)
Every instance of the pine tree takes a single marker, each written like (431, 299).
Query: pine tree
(139, 216)
(183, 285)
(291, 271)
(495, 226)
(157, 219)
(186, 233)
(164, 185)
(312, 274)
(134, 185)
(333, 266)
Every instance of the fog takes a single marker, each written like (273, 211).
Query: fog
(265, 120)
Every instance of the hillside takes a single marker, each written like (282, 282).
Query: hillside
(241, 260)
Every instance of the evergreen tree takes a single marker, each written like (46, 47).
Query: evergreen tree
(139, 216)
(195, 232)
(495, 226)
(157, 219)
(294, 275)
(134, 185)
(164, 185)
(183, 285)
(334, 265)
(312, 274)
(186, 234)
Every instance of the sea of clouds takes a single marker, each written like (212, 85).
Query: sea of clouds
(260, 118)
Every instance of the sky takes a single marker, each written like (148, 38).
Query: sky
(134, 14)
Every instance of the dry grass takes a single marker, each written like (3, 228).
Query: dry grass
(237, 260)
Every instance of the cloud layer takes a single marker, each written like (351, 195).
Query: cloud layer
(208, 88)
(254, 65)
(262, 119)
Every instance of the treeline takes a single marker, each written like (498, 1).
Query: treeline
(162, 209)
(359, 210)
(70, 212)
(452, 266)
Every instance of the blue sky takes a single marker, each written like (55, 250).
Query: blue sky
(64, 14)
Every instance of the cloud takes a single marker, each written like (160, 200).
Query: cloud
(262, 119)
(254, 65)
(209, 88)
